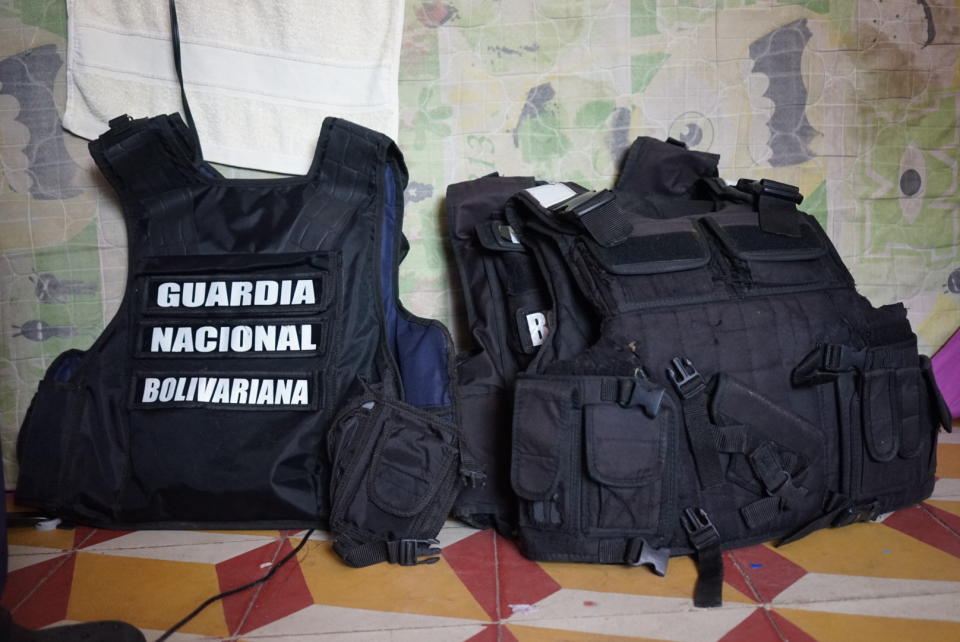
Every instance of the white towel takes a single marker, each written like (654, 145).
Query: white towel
(260, 75)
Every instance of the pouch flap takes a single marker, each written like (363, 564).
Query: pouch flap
(734, 403)
(543, 412)
(881, 430)
(742, 235)
(913, 402)
(943, 415)
(624, 447)
(668, 245)
(410, 461)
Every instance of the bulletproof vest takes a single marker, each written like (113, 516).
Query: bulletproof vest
(260, 371)
(702, 374)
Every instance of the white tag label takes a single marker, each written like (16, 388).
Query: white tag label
(551, 194)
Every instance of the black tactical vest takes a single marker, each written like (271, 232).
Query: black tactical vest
(687, 365)
(260, 371)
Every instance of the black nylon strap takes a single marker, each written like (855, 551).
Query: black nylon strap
(835, 506)
(635, 552)
(405, 552)
(761, 512)
(175, 38)
(599, 213)
(705, 540)
(702, 441)
(607, 224)
(700, 431)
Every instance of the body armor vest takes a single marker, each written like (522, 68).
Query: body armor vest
(255, 311)
(688, 365)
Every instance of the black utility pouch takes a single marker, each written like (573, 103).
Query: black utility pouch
(899, 417)
(395, 471)
(594, 468)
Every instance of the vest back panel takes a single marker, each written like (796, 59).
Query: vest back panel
(253, 309)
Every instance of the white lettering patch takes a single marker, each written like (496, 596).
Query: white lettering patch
(248, 392)
(235, 294)
(537, 326)
(232, 339)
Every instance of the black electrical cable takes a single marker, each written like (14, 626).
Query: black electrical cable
(176, 627)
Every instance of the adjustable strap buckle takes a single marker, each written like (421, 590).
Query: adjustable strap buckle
(776, 205)
(473, 478)
(840, 358)
(581, 204)
(639, 553)
(767, 187)
(776, 479)
(685, 377)
(700, 529)
(861, 513)
(638, 392)
(406, 552)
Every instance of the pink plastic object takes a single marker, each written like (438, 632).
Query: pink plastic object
(946, 370)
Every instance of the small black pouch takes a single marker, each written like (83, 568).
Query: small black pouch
(395, 471)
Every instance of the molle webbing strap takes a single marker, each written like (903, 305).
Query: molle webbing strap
(700, 431)
(175, 38)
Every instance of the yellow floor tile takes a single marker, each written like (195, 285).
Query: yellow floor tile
(948, 460)
(828, 627)
(148, 593)
(56, 538)
(949, 506)
(540, 634)
(679, 581)
(428, 589)
(873, 550)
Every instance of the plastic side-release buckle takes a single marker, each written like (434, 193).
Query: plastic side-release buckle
(699, 528)
(861, 513)
(406, 552)
(776, 205)
(638, 392)
(840, 358)
(581, 204)
(639, 553)
(685, 377)
(767, 187)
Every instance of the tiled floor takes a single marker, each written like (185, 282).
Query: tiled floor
(897, 580)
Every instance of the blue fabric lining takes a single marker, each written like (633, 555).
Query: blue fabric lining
(419, 349)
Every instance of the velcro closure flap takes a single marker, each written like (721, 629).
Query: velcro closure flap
(913, 401)
(544, 412)
(742, 235)
(668, 245)
(881, 429)
(625, 447)
(411, 461)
